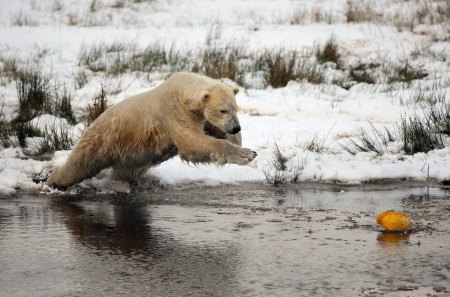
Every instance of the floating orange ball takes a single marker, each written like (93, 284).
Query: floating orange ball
(394, 221)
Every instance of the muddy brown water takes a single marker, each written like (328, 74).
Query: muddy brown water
(226, 241)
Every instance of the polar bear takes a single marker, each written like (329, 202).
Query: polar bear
(189, 114)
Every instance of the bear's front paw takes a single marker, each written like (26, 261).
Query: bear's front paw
(52, 184)
(243, 156)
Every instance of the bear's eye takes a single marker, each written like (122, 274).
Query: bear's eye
(223, 111)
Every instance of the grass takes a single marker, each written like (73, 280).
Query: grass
(374, 141)
(439, 116)
(427, 97)
(98, 105)
(315, 144)
(403, 72)
(221, 61)
(56, 136)
(329, 53)
(416, 134)
(117, 58)
(302, 15)
(215, 60)
(62, 106)
(5, 131)
(81, 78)
(360, 12)
(361, 76)
(9, 67)
(278, 68)
(37, 93)
(279, 176)
(387, 71)
(402, 15)
(281, 67)
(268, 67)
(419, 135)
(91, 56)
(34, 92)
(281, 173)
(152, 57)
(24, 130)
(94, 6)
(22, 20)
(280, 160)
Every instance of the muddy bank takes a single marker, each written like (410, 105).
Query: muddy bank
(247, 240)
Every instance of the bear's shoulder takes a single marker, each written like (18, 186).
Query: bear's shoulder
(189, 78)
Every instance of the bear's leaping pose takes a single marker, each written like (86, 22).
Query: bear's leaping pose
(189, 114)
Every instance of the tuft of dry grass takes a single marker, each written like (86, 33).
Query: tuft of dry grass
(24, 130)
(221, 61)
(280, 173)
(98, 106)
(361, 12)
(403, 72)
(9, 67)
(374, 141)
(329, 53)
(316, 14)
(419, 135)
(34, 92)
(62, 105)
(281, 67)
(279, 176)
(81, 78)
(56, 136)
(5, 130)
(316, 144)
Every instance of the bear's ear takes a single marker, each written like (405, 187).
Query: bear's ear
(205, 96)
(195, 103)
(235, 90)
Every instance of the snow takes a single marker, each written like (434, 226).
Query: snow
(288, 117)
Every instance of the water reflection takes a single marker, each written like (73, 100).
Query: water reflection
(154, 256)
(121, 229)
(392, 238)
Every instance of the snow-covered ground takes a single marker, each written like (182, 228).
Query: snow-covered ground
(52, 33)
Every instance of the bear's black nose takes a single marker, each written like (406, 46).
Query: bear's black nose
(236, 130)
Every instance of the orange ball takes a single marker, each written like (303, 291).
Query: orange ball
(394, 221)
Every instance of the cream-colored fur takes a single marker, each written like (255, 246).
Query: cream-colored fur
(189, 114)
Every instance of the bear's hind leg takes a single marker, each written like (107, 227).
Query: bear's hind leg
(84, 162)
(73, 172)
(131, 175)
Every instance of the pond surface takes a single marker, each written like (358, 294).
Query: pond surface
(225, 241)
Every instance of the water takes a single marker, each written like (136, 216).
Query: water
(225, 241)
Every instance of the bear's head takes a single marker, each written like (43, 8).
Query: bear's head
(218, 106)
